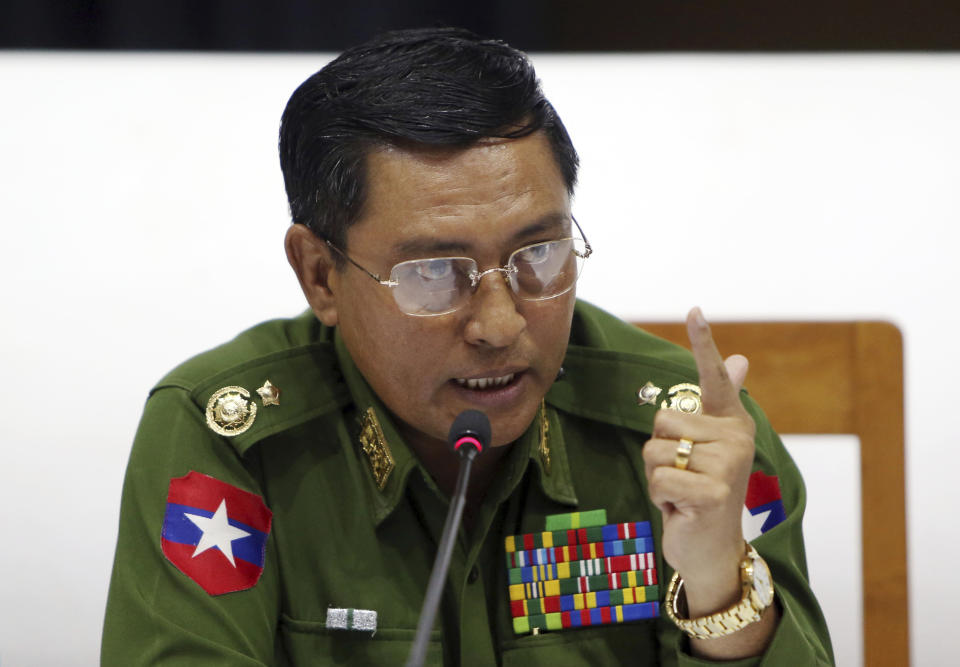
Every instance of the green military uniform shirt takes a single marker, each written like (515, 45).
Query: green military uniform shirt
(340, 541)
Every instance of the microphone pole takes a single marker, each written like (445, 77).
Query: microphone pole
(469, 435)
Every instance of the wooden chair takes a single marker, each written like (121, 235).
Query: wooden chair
(840, 377)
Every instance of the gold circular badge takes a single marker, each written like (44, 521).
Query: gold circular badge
(685, 398)
(229, 412)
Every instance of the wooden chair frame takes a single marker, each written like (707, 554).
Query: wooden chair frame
(840, 377)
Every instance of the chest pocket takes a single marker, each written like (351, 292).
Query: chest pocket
(312, 643)
(629, 643)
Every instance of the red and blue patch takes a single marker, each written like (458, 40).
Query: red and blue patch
(763, 508)
(215, 533)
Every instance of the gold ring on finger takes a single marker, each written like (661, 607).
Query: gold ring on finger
(684, 449)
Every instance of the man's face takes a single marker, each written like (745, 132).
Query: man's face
(483, 202)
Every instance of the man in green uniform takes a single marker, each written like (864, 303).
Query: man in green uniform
(286, 491)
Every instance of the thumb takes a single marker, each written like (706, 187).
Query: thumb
(737, 367)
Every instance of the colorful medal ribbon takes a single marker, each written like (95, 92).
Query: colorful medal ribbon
(580, 572)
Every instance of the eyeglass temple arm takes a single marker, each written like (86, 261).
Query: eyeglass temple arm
(385, 283)
(589, 248)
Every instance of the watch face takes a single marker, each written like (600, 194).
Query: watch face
(762, 582)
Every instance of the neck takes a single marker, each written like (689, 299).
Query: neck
(443, 466)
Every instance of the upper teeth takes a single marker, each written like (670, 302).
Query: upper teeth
(483, 383)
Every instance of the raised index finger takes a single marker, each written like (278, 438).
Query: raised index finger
(721, 395)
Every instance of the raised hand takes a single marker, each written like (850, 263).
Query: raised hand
(702, 505)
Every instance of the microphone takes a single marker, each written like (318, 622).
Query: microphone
(469, 436)
(470, 433)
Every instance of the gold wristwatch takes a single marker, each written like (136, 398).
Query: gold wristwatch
(757, 586)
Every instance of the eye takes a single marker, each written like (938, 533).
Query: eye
(535, 254)
(434, 269)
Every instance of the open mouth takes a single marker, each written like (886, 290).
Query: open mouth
(487, 383)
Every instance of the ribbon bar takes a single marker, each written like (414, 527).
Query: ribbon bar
(585, 617)
(546, 556)
(564, 538)
(581, 568)
(609, 598)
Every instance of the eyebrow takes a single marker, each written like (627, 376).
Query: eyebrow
(428, 246)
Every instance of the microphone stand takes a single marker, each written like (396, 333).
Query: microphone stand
(441, 564)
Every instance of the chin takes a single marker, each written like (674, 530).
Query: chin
(514, 427)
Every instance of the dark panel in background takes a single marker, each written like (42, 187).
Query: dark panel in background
(537, 25)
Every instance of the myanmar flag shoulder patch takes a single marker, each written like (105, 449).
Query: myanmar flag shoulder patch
(763, 508)
(215, 533)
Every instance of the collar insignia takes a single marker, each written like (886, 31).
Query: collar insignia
(544, 448)
(375, 446)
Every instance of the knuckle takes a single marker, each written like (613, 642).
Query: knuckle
(650, 451)
(744, 418)
(661, 421)
(740, 433)
(658, 477)
(744, 441)
(718, 493)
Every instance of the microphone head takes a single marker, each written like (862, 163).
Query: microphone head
(470, 428)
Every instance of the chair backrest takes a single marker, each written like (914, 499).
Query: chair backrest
(840, 377)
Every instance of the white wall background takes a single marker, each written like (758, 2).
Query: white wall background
(138, 192)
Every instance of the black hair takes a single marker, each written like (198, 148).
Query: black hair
(425, 87)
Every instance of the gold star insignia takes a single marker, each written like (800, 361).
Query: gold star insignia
(647, 394)
(269, 394)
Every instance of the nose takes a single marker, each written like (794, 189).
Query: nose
(494, 319)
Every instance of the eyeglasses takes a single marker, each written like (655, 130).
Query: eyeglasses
(441, 285)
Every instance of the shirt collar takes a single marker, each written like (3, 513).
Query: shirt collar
(384, 500)
(556, 483)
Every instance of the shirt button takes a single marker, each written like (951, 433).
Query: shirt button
(474, 575)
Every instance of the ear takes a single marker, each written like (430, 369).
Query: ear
(313, 262)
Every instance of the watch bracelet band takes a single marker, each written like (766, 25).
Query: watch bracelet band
(716, 625)
(722, 623)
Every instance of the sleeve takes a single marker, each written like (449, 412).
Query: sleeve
(156, 614)
(801, 637)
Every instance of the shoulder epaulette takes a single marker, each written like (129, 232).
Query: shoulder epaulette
(271, 377)
(610, 362)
